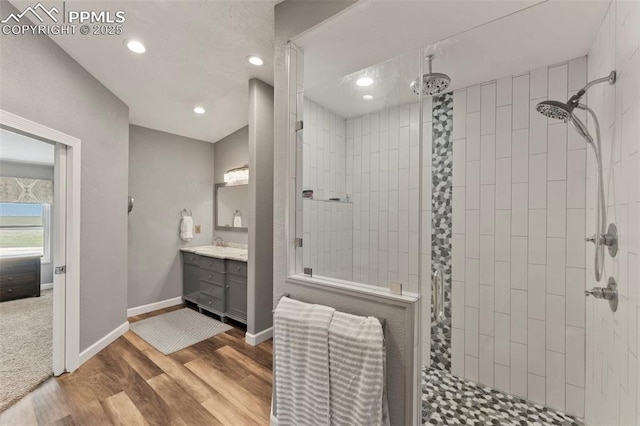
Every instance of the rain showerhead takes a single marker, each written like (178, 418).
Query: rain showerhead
(433, 83)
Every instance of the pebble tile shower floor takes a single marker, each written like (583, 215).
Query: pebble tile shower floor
(450, 400)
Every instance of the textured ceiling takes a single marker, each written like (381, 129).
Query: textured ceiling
(196, 55)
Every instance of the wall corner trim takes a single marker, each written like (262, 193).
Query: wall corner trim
(256, 339)
(143, 309)
(104, 342)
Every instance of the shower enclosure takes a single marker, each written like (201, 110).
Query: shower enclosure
(458, 191)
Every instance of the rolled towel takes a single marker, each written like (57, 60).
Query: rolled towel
(186, 228)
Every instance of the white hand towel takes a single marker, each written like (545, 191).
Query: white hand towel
(186, 228)
(301, 344)
(356, 369)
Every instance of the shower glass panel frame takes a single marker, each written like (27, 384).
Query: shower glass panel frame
(400, 170)
(360, 164)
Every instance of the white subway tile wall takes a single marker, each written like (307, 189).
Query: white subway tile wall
(519, 211)
(327, 226)
(383, 178)
(612, 379)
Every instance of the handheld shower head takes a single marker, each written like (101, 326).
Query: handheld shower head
(564, 111)
(556, 110)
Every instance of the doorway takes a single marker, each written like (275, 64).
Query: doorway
(65, 234)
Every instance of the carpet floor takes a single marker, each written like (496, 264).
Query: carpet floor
(26, 338)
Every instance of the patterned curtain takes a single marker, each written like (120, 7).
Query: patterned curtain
(22, 190)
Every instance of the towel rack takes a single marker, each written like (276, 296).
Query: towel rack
(185, 213)
(383, 321)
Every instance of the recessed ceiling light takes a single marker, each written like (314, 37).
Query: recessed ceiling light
(367, 97)
(135, 46)
(364, 82)
(255, 60)
(199, 110)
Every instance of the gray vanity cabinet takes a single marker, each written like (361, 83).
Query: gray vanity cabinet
(191, 277)
(216, 285)
(237, 290)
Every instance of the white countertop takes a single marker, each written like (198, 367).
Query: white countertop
(232, 253)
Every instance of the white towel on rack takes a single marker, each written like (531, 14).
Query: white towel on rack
(186, 228)
(301, 344)
(356, 368)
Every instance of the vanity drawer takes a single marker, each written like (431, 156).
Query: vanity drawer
(212, 264)
(191, 258)
(212, 289)
(211, 302)
(237, 268)
(212, 276)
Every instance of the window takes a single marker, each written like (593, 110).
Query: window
(25, 229)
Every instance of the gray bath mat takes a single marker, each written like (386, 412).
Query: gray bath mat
(176, 330)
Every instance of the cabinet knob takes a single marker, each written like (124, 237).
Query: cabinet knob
(10, 290)
(209, 276)
(238, 268)
(10, 279)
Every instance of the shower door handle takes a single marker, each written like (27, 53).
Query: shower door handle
(437, 294)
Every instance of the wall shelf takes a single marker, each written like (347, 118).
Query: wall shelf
(324, 200)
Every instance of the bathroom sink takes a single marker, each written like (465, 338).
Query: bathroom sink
(220, 252)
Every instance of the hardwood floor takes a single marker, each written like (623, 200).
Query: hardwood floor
(219, 381)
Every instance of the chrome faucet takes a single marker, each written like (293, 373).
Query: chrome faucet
(218, 242)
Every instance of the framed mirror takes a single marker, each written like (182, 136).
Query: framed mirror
(232, 206)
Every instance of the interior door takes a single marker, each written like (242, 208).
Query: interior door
(59, 257)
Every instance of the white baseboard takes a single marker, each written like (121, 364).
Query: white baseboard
(103, 343)
(47, 286)
(274, 419)
(256, 339)
(139, 310)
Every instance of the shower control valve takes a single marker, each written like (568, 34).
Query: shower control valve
(610, 239)
(605, 239)
(609, 293)
(600, 293)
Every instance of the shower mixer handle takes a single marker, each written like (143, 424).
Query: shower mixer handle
(605, 239)
(610, 239)
(609, 293)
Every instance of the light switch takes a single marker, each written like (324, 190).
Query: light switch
(197, 229)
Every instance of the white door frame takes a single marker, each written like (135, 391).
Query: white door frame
(66, 342)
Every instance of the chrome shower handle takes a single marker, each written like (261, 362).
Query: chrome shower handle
(437, 294)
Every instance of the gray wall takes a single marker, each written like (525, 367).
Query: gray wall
(232, 151)
(260, 270)
(24, 170)
(167, 173)
(33, 171)
(43, 83)
(291, 18)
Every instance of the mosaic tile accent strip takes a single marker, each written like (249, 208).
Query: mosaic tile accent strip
(441, 222)
(450, 400)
